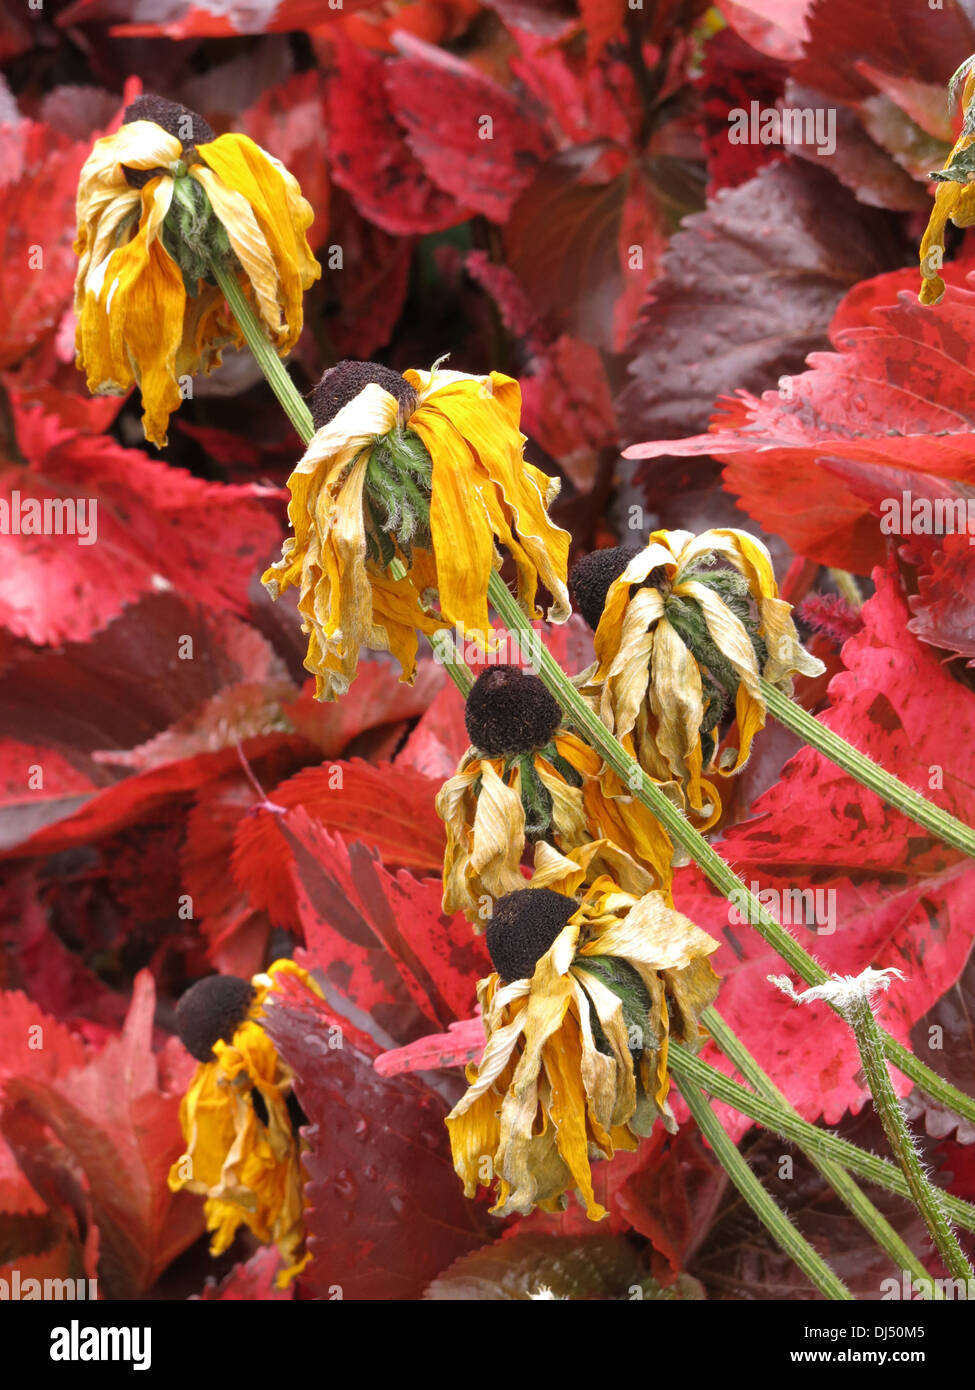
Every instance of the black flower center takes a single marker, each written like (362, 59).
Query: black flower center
(212, 1010)
(189, 128)
(523, 927)
(509, 711)
(343, 382)
(593, 575)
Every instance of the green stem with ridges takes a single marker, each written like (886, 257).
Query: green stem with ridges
(889, 788)
(838, 1178)
(795, 1245)
(870, 1167)
(701, 851)
(615, 756)
(267, 359)
(926, 1197)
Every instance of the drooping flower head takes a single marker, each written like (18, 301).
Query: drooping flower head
(397, 506)
(684, 628)
(526, 778)
(157, 202)
(955, 197)
(595, 973)
(240, 1117)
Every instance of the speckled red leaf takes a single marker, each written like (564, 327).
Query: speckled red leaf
(38, 184)
(388, 807)
(440, 740)
(380, 938)
(776, 28)
(144, 526)
(462, 1043)
(714, 318)
(893, 399)
(186, 19)
(369, 154)
(122, 1129)
(886, 894)
(364, 302)
(443, 104)
(386, 1210)
(944, 607)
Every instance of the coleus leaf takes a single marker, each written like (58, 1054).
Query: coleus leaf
(369, 154)
(892, 402)
(880, 891)
(477, 140)
(710, 319)
(120, 1125)
(387, 806)
(139, 526)
(250, 1281)
(374, 934)
(378, 1149)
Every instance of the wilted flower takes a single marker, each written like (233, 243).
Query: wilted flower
(240, 1117)
(527, 778)
(396, 507)
(158, 201)
(594, 973)
(685, 627)
(955, 196)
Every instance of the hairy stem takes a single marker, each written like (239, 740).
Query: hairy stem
(795, 1245)
(926, 1197)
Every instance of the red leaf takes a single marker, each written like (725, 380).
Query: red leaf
(899, 898)
(370, 157)
(909, 40)
(389, 807)
(711, 319)
(144, 526)
(34, 1044)
(462, 1043)
(123, 1131)
(379, 1153)
(250, 1281)
(443, 104)
(380, 940)
(894, 400)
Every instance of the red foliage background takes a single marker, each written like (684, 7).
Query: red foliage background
(544, 188)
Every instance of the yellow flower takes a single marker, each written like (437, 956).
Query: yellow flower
(397, 504)
(685, 629)
(594, 973)
(156, 201)
(527, 778)
(242, 1151)
(952, 200)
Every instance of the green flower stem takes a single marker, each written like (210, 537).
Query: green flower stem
(860, 1016)
(705, 856)
(889, 788)
(785, 1122)
(872, 1220)
(795, 1245)
(267, 359)
(579, 713)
